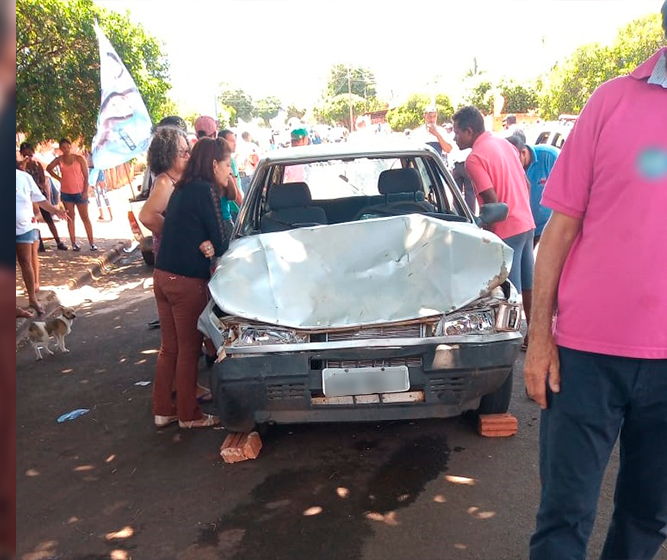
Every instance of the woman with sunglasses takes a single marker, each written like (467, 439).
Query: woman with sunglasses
(180, 280)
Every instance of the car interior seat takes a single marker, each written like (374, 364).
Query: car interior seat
(395, 184)
(290, 207)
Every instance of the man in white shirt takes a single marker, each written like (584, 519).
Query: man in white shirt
(27, 239)
(432, 134)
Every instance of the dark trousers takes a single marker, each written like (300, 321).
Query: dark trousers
(601, 397)
(465, 184)
(180, 301)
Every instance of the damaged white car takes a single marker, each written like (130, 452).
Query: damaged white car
(359, 287)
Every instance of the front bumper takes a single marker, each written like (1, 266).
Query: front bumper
(283, 384)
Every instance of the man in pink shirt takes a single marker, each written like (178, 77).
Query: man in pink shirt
(497, 176)
(601, 370)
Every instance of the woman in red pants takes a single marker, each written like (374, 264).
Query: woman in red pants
(180, 280)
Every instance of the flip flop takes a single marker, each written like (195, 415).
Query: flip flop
(207, 397)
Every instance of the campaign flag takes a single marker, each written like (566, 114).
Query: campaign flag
(123, 125)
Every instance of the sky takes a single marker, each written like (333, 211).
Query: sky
(285, 48)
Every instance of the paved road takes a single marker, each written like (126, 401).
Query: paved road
(362, 491)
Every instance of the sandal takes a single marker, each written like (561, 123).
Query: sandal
(76, 247)
(206, 421)
(62, 246)
(205, 397)
(162, 421)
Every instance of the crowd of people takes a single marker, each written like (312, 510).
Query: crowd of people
(65, 180)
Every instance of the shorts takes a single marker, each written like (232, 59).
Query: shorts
(28, 237)
(95, 176)
(73, 198)
(523, 261)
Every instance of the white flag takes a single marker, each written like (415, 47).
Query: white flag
(123, 125)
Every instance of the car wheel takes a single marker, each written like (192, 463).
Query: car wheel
(149, 257)
(499, 401)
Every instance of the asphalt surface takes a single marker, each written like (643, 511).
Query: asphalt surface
(108, 485)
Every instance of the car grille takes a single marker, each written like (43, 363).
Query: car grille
(440, 386)
(410, 361)
(285, 391)
(390, 331)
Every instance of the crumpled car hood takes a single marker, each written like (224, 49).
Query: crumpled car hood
(359, 273)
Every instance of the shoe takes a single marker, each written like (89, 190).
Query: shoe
(62, 246)
(93, 247)
(41, 249)
(76, 247)
(205, 397)
(206, 421)
(162, 421)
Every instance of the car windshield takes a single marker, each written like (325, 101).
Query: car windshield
(340, 178)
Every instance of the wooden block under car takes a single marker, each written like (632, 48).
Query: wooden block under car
(241, 447)
(497, 425)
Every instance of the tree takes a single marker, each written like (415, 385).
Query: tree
(268, 108)
(239, 100)
(571, 82)
(362, 82)
(411, 113)
(57, 67)
(339, 93)
(518, 98)
(481, 96)
(293, 111)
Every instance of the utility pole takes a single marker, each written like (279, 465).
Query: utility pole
(349, 98)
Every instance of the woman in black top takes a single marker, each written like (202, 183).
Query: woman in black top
(181, 277)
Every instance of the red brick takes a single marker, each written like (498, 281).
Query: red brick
(497, 425)
(241, 447)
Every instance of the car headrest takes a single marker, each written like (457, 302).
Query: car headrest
(399, 181)
(289, 195)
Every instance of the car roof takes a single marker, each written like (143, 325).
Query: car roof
(378, 147)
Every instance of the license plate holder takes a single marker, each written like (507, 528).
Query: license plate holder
(343, 382)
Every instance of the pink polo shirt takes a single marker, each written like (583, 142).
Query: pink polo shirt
(612, 173)
(494, 163)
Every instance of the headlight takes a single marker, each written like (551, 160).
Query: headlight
(508, 317)
(479, 321)
(260, 336)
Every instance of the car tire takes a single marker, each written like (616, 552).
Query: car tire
(498, 402)
(149, 257)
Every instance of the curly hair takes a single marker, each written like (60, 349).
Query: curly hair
(164, 148)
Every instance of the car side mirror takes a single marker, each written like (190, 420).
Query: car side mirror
(491, 213)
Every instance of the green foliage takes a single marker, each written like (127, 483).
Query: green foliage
(411, 113)
(572, 81)
(338, 94)
(57, 67)
(240, 101)
(481, 96)
(268, 108)
(518, 98)
(362, 82)
(293, 111)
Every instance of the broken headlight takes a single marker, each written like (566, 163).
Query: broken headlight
(261, 336)
(478, 321)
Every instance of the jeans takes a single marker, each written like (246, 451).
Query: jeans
(601, 397)
(180, 301)
(523, 261)
(465, 184)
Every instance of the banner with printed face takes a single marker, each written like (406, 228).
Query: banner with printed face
(123, 125)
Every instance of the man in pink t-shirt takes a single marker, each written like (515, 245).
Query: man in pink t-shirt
(497, 175)
(601, 370)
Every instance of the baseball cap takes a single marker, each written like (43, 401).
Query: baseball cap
(206, 124)
(431, 109)
(299, 133)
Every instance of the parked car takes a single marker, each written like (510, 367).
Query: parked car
(363, 290)
(142, 235)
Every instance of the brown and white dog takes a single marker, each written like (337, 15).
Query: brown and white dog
(40, 332)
